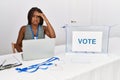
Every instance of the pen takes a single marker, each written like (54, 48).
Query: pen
(3, 63)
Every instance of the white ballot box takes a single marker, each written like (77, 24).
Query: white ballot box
(87, 39)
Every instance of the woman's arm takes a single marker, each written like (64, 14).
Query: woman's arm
(18, 45)
(49, 31)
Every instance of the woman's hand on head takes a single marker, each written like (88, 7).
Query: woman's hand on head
(42, 15)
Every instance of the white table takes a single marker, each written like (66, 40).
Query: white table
(70, 67)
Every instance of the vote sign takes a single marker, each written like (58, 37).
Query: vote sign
(87, 41)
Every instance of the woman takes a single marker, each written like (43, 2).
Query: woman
(35, 28)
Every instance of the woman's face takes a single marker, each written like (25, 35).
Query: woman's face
(35, 18)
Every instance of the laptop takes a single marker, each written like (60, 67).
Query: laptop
(38, 49)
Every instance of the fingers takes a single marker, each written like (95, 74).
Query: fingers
(42, 15)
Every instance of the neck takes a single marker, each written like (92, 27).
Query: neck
(34, 26)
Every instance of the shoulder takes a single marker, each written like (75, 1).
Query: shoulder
(22, 29)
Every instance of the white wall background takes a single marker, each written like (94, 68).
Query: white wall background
(107, 12)
(13, 14)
